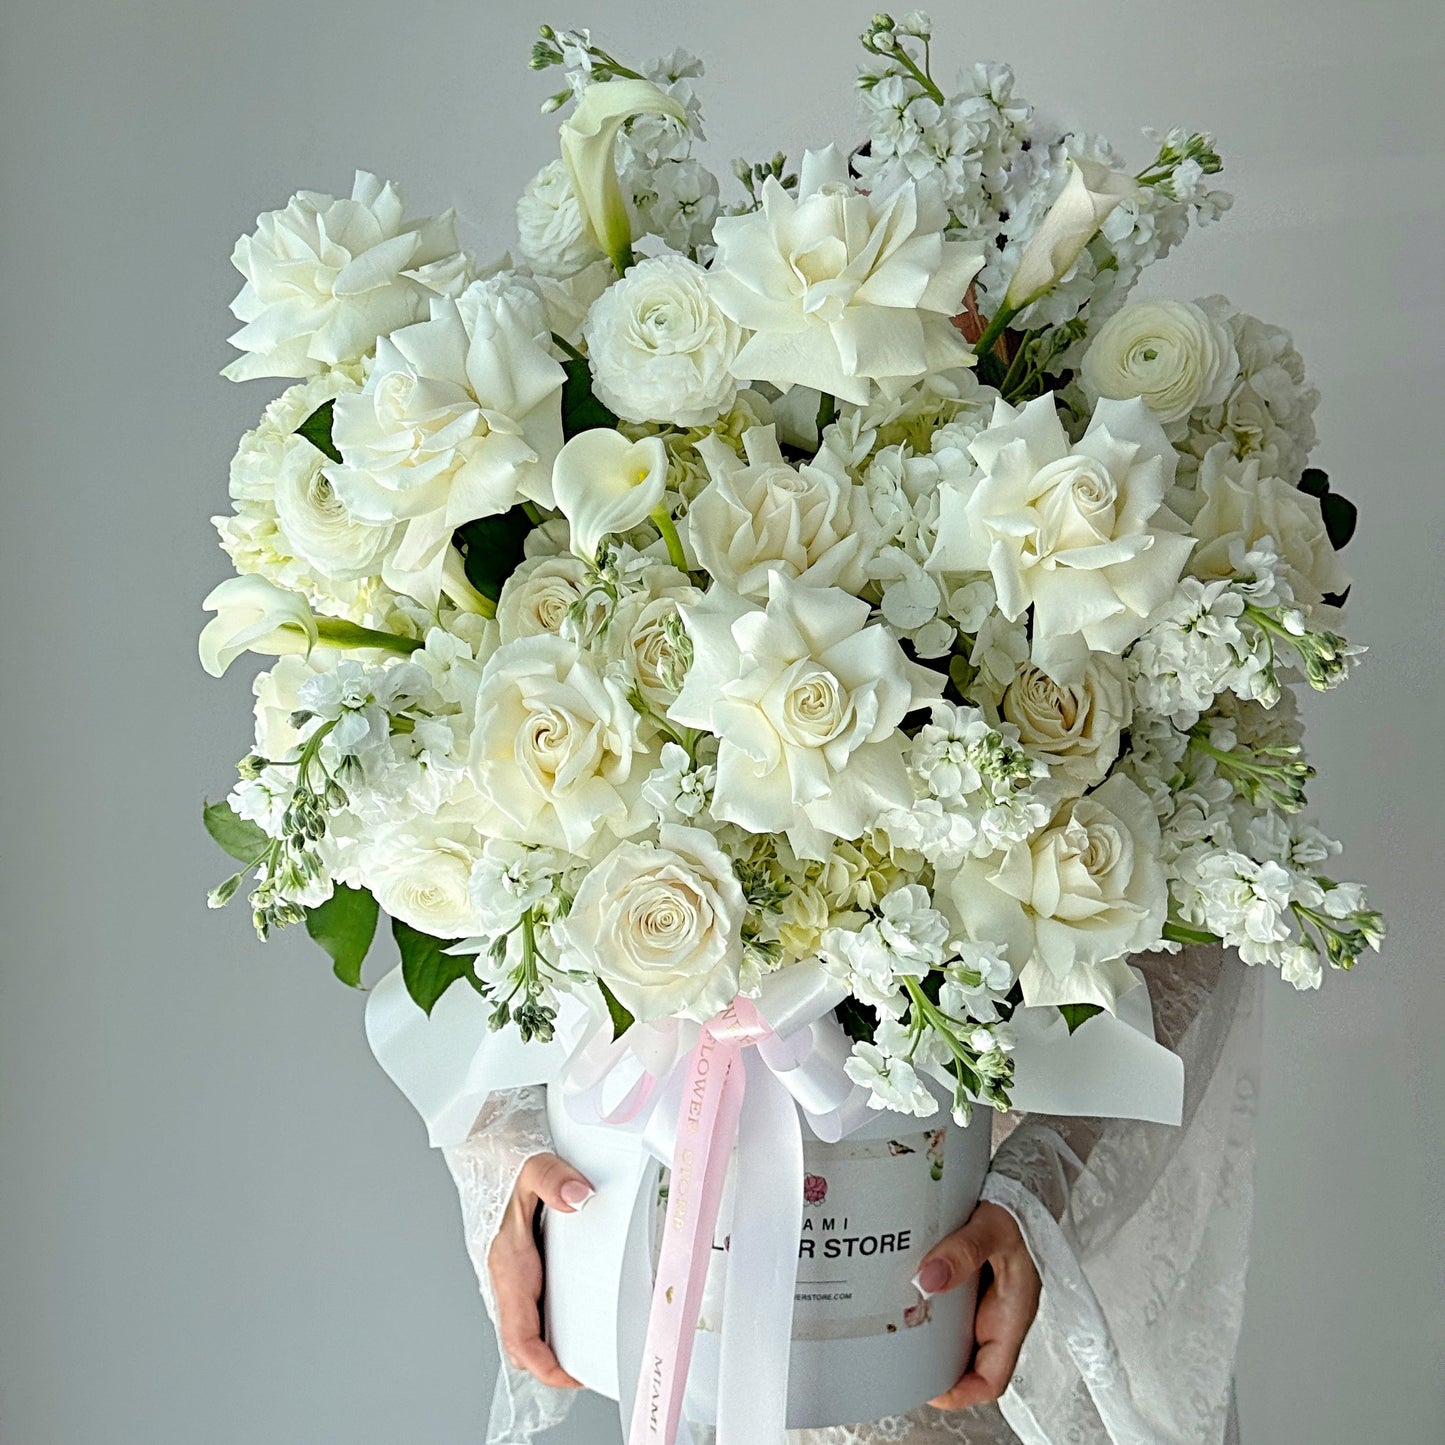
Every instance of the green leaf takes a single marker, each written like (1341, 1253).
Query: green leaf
(581, 411)
(1314, 481)
(622, 1020)
(344, 926)
(492, 548)
(317, 430)
(1340, 516)
(1078, 1013)
(240, 837)
(426, 970)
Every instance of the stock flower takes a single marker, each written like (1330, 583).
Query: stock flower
(326, 277)
(659, 346)
(1079, 532)
(661, 925)
(460, 418)
(843, 289)
(805, 700)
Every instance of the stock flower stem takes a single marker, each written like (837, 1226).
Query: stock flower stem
(995, 328)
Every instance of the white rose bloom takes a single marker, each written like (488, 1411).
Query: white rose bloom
(538, 596)
(326, 277)
(1077, 531)
(659, 346)
(1075, 728)
(252, 615)
(553, 749)
(460, 418)
(661, 925)
(568, 301)
(553, 237)
(419, 873)
(805, 700)
(1070, 903)
(646, 634)
(840, 288)
(1241, 508)
(1171, 353)
(760, 517)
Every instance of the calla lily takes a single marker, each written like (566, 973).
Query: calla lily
(589, 137)
(604, 483)
(1092, 191)
(254, 616)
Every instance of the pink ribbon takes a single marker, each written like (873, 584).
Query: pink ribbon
(707, 1127)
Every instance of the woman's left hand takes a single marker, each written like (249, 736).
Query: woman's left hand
(1006, 1305)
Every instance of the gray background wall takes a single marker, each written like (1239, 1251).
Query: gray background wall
(221, 1223)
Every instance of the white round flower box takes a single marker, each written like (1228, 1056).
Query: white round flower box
(865, 1343)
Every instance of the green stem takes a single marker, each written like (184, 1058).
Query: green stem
(995, 329)
(338, 633)
(827, 411)
(662, 520)
(930, 88)
(1181, 933)
(563, 345)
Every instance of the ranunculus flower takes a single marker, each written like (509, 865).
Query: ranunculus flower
(659, 346)
(661, 925)
(253, 616)
(589, 137)
(1070, 903)
(326, 277)
(1075, 727)
(460, 418)
(553, 747)
(318, 525)
(805, 700)
(1090, 193)
(604, 484)
(763, 516)
(553, 236)
(1171, 353)
(843, 289)
(1241, 507)
(1077, 531)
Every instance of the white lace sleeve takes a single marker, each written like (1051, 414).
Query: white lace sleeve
(510, 1129)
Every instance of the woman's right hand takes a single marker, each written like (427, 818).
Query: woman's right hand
(516, 1265)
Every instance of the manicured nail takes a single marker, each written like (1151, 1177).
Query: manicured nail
(576, 1193)
(933, 1278)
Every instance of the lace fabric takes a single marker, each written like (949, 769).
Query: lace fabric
(1140, 1233)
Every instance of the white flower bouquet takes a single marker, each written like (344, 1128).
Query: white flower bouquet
(846, 580)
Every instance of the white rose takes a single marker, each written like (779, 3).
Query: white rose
(645, 633)
(252, 615)
(604, 484)
(661, 925)
(660, 347)
(1089, 195)
(762, 516)
(537, 597)
(1241, 507)
(326, 277)
(1077, 531)
(553, 747)
(805, 700)
(419, 873)
(1075, 728)
(1171, 353)
(553, 236)
(841, 288)
(1070, 903)
(460, 418)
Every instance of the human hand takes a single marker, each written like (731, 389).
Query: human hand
(1007, 1302)
(515, 1264)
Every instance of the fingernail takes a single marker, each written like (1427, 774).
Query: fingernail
(933, 1278)
(575, 1193)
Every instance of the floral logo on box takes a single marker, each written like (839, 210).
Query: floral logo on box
(815, 1189)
